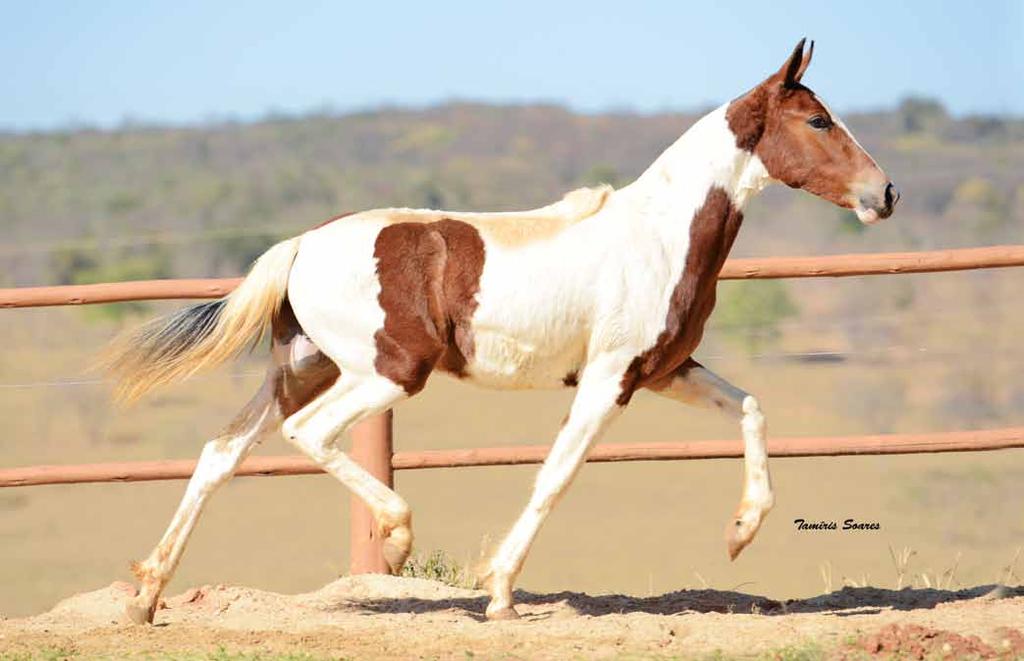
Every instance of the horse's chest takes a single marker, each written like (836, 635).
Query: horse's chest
(712, 231)
(683, 331)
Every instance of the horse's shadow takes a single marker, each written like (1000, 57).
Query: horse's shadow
(845, 602)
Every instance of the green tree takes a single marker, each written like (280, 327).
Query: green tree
(918, 114)
(429, 195)
(235, 253)
(849, 224)
(749, 311)
(67, 263)
(982, 206)
(151, 264)
(601, 173)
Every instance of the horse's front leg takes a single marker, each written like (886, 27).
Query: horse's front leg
(694, 384)
(595, 405)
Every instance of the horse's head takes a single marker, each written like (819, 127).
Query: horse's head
(804, 145)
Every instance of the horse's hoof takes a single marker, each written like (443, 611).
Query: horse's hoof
(737, 537)
(395, 555)
(742, 528)
(137, 614)
(506, 613)
(734, 548)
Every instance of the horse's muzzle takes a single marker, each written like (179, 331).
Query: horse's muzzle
(872, 208)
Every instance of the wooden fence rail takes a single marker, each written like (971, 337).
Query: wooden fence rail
(142, 471)
(372, 438)
(830, 266)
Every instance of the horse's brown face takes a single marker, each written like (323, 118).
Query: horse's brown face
(804, 145)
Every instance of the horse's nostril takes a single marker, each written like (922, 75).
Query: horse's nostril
(892, 195)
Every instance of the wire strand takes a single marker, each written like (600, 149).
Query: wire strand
(917, 352)
(156, 238)
(63, 383)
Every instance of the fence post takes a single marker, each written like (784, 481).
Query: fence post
(371, 449)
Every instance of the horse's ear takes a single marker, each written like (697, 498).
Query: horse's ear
(794, 68)
(806, 62)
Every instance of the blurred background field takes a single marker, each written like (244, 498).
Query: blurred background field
(861, 355)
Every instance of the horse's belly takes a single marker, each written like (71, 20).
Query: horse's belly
(504, 360)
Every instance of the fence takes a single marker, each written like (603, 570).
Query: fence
(372, 439)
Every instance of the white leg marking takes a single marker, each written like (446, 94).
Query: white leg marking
(699, 386)
(758, 498)
(217, 463)
(314, 429)
(592, 410)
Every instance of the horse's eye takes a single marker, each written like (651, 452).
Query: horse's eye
(819, 122)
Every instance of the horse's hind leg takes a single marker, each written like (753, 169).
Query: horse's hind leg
(314, 429)
(218, 461)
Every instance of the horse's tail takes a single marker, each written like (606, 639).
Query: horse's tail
(174, 347)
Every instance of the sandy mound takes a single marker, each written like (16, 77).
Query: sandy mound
(236, 607)
(384, 616)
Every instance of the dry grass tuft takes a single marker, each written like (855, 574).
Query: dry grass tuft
(441, 567)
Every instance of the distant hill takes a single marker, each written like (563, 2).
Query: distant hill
(918, 352)
(151, 202)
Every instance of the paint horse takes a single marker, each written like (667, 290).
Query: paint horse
(606, 291)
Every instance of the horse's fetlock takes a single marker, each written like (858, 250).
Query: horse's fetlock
(143, 571)
(499, 585)
(395, 517)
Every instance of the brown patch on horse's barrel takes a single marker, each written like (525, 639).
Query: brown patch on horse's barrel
(571, 380)
(463, 268)
(712, 231)
(429, 277)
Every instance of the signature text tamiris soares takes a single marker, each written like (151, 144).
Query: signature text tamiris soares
(847, 524)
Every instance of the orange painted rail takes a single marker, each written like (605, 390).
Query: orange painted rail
(826, 266)
(374, 449)
(881, 263)
(116, 292)
(141, 471)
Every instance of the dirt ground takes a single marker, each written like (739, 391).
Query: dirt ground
(386, 617)
(642, 529)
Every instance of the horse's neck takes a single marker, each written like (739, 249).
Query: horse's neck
(677, 184)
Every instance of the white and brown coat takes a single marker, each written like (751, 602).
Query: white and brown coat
(606, 291)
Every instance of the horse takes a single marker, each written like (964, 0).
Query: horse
(606, 291)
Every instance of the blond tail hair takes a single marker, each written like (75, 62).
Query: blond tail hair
(174, 347)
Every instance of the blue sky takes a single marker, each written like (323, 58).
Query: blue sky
(187, 61)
